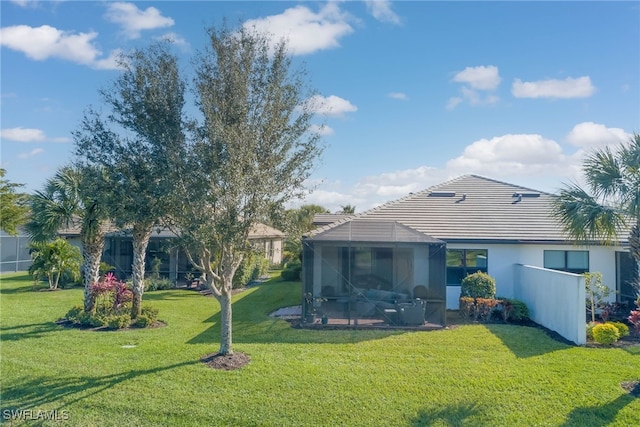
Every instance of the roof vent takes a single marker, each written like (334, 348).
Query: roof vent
(442, 194)
(521, 195)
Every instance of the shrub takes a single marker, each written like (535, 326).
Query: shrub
(514, 310)
(605, 333)
(478, 285)
(622, 328)
(292, 271)
(119, 322)
(596, 293)
(75, 314)
(634, 319)
(147, 317)
(590, 327)
(251, 267)
(157, 284)
(484, 308)
(467, 307)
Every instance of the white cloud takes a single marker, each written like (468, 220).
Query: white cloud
(134, 20)
(591, 135)
(482, 77)
(40, 43)
(25, 3)
(453, 102)
(31, 153)
(23, 134)
(304, 30)
(475, 97)
(580, 87)
(330, 106)
(381, 10)
(523, 154)
(323, 130)
(478, 84)
(176, 39)
(525, 159)
(399, 95)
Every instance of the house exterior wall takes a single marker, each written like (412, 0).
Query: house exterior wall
(503, 258)
(556, 300)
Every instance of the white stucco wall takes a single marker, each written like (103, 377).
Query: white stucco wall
(502, 259)
(556, 300)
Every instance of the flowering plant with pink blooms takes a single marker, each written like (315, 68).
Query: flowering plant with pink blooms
(112, 296)
(634, 318)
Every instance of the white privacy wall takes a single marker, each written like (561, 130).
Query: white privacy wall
(556, 300)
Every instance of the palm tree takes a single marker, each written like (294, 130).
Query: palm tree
(54, 260)
(613, 203)
(348, 210)
(69, 199)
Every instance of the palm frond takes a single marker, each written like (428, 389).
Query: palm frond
(585, 219)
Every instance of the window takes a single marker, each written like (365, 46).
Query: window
(462, 262)
(569, 261)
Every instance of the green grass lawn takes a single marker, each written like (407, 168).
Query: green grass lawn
(472, 375)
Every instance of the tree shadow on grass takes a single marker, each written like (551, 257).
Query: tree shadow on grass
(38, 392)
(167, 295)
(22, 332)
(252, 324)
(16, 284)
(536, 343)
(601, 415)
(452, 415)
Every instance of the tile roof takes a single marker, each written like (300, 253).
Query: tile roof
(473, 208)
(368, 230)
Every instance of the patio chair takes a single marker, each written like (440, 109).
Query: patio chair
(411, 314)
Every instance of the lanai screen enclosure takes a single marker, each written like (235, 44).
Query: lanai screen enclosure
(373, 271)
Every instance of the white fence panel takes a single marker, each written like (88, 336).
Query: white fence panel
(556, 300)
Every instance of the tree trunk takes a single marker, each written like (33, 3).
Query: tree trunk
(230, 263)
(92, 254)
(226, 340)
(141, 235)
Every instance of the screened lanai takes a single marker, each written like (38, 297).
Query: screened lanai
(373, 272)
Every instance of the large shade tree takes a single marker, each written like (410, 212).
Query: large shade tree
(136, 144)
(73, 198)
(612, 201)
(251, 153)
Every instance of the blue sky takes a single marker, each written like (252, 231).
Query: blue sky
(419, 92)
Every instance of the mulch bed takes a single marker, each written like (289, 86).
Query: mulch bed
(69, 324)
(631, 387)
(226, 362)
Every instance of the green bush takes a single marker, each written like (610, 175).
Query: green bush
(251, 267)
(119, 322)
(143, 321)
(157, 284)
(514, 310)
(590, 327)
(75, 314)
(605, 333)
(623, 329)
(467, 307)
(147, 317)
(478, 285)
(292, 271)
(484, 308)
